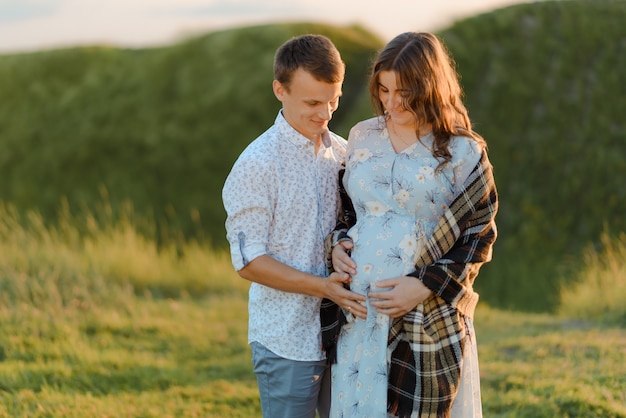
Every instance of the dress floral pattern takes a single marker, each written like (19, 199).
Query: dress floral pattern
(398, 199)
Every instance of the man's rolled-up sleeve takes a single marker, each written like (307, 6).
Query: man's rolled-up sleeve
(248, 197)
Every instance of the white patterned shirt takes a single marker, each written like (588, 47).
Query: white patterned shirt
(281, 200)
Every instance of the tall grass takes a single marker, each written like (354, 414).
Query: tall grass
(97, 320)
(598, 291)
(98, 258)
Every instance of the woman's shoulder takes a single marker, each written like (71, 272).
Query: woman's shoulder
(363, 128)
(376, 122)
(465, 147)
(466, 153)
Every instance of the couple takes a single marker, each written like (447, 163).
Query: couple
(405, 235)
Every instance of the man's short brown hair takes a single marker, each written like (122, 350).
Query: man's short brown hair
(315, 54)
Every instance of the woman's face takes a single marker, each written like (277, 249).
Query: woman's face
(391, 96)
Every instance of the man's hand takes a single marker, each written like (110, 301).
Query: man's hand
(405, 294)
(348, 300)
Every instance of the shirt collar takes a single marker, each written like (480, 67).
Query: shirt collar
(296, 138)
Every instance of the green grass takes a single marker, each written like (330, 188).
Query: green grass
(545, 366)
(102, 324)
(156, 358)
(599, 289)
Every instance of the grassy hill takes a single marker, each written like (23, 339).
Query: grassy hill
(106, 325)
(93, 127)
(160, 127)
(546, 86)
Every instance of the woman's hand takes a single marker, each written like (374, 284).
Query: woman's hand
(344, 269)
(405, 294)
(342, 263)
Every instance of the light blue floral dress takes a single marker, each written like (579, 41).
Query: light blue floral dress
(398, 199)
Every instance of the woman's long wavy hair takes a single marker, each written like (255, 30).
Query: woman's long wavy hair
(425, 69)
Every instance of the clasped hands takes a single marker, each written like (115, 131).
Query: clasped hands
(402, 294)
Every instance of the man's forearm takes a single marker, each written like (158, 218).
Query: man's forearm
(270, 272)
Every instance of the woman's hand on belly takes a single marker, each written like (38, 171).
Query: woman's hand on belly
(342, 262)
(405, 294)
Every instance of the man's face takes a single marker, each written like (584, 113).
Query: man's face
(308, 104)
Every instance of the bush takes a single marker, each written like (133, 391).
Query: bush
(598, 291)
(544, 87)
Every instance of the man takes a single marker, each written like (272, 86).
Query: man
(281, 201)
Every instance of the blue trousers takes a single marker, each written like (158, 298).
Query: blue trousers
(289, 388)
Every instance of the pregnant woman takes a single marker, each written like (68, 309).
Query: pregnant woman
(421, 185)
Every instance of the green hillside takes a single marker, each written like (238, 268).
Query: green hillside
(161, 128)
(545, 84)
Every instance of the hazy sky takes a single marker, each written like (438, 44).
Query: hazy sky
(35, 24)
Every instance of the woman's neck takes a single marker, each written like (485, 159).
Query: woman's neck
(404, 136)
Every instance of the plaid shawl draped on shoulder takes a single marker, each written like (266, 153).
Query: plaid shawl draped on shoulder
(427, 343)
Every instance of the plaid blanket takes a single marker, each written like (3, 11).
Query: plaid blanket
(427, 343)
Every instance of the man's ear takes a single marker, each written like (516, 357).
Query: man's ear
(279, 90)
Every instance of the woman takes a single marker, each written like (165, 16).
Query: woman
(423, 193)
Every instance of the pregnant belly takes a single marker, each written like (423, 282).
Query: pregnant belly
(378, 265)
(386, 248)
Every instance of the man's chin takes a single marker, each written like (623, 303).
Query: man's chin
(318, 131)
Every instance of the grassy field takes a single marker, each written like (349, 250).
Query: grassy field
(95, 322)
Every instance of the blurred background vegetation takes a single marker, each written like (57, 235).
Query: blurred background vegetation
(158, 130)
(117, 295)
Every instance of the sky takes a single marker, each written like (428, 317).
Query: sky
(29, 25)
